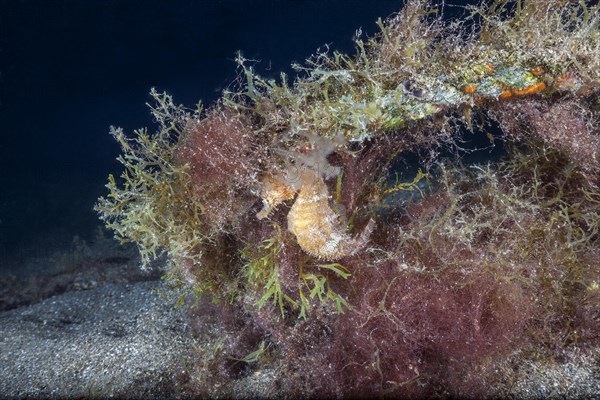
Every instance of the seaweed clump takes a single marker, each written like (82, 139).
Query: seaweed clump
(280, 200)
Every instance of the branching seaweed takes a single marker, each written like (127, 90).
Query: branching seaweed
(154, 207)
(262, 271)
(396, 294)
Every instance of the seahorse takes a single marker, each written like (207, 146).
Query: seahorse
(319, 230)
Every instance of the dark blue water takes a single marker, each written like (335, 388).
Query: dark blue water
(70, 69)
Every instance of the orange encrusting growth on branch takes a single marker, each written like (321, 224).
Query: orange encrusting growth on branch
(531, 89)
(505, 95)
(469, 89)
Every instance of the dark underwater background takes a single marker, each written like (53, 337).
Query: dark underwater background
(71, 69)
